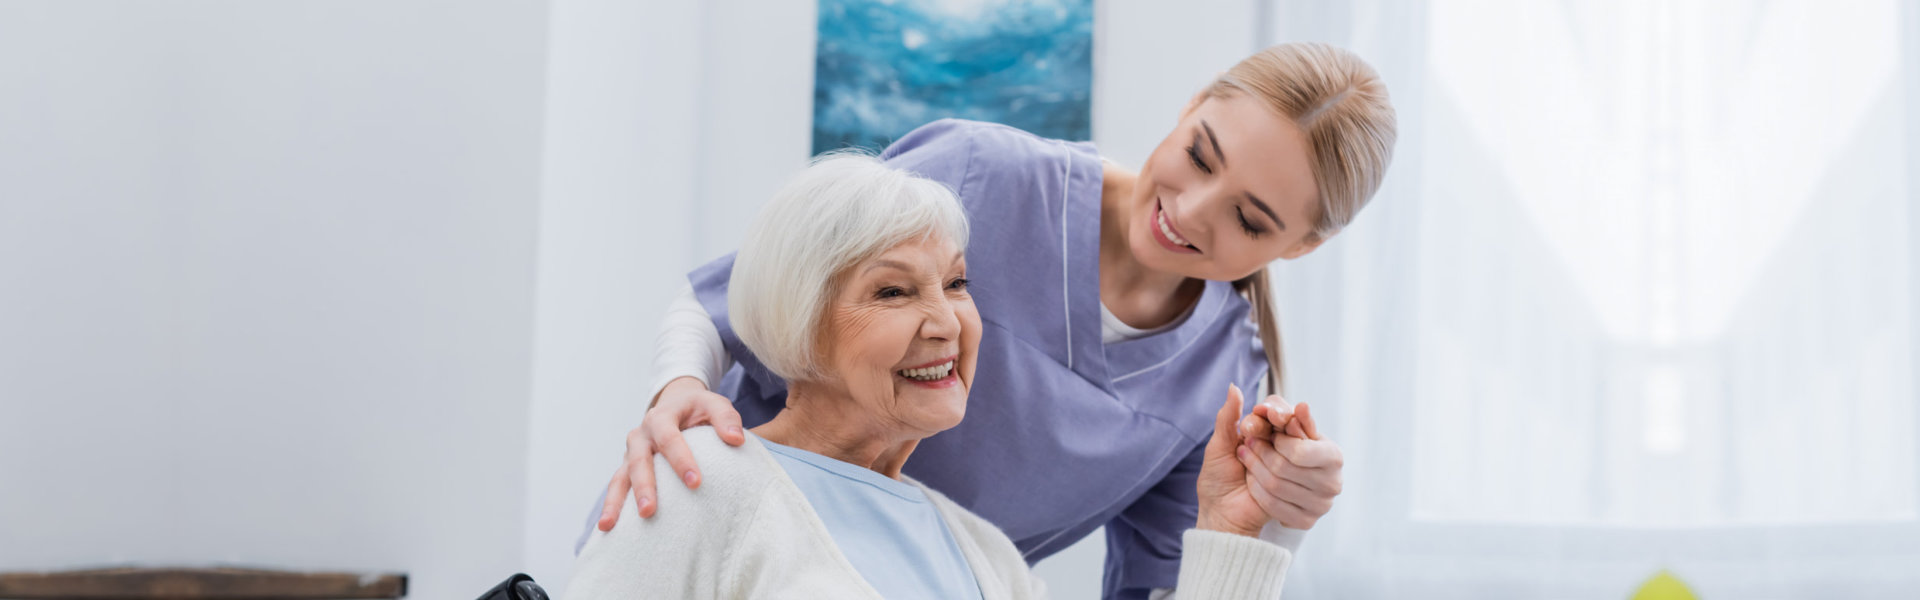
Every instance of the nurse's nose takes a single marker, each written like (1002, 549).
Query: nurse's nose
(1193, 207)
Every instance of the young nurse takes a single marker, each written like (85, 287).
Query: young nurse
(1117, 306)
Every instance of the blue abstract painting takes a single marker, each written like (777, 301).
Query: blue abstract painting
(884, 67)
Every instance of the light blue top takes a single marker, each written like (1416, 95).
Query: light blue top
(888, 529)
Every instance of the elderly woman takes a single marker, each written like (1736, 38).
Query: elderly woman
(852, 286)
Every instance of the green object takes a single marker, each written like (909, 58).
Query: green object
(1664, 586)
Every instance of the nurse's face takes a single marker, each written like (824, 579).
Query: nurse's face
(901, 336)
(1227, 192)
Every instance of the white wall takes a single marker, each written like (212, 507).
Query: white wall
(668, 125)
(616, 215)
(266, 284)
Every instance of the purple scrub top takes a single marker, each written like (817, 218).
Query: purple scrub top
(1063, 434)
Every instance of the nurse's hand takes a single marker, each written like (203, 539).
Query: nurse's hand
(684, 403)
(1296, 470)
(1228, 496)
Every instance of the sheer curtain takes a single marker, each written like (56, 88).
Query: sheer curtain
(1636, 296)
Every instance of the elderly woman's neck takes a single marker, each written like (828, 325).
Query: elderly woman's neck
(820, 426)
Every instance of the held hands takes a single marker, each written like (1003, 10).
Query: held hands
(684, 403)
(1273, 466)
(1228, 501)
(1295, 470)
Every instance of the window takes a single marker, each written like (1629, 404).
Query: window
(1636, 295)
(1664, 265)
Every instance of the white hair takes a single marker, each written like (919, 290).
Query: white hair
(843, 209)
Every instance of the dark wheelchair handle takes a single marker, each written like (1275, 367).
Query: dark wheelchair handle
(518, 587)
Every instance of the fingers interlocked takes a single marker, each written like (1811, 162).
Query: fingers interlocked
(1294, 473)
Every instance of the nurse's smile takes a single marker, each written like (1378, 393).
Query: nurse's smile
(1166, 234)
(1229, 191)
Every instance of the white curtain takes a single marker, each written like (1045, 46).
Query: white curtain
(1636, 296)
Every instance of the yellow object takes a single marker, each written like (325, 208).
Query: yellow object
(1664, 586)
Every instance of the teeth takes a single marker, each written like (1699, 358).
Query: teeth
(1168, 231)
(933, 373)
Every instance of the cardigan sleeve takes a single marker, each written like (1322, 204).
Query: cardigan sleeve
(1224, 565)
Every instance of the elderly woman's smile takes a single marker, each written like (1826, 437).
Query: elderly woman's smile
(937, 374)
(900, 335)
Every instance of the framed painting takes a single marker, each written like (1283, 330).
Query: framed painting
(884, 67)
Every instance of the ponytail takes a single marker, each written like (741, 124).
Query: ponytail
(1258, 289)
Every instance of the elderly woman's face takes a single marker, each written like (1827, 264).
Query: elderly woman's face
(901, 335)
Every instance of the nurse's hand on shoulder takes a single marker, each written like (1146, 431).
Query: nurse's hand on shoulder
(1229, 500)
(684, 403)
(1297, 470)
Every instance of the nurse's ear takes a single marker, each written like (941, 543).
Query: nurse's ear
(1306, 245)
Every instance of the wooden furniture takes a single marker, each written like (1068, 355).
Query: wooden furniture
(206, 584)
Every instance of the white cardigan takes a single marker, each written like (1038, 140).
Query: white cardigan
(748, 532)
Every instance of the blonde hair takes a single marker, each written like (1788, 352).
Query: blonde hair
(1342, 106)
(845, 208)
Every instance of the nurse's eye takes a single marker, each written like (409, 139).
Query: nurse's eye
(959, 283)
(1193, 154)
(1251, 229)
(890, 292)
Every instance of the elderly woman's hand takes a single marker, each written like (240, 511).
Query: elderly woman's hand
(1230, 500)
(684, 403)
(1297, 469)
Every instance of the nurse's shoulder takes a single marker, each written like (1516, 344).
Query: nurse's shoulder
(968, 156)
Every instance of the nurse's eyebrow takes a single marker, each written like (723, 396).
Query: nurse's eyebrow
(1214, 141)
(1257, 203)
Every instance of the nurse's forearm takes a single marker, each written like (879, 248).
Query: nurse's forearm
(688, 346)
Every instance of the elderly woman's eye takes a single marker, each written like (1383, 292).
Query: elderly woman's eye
(890, 292)
(958, 283)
